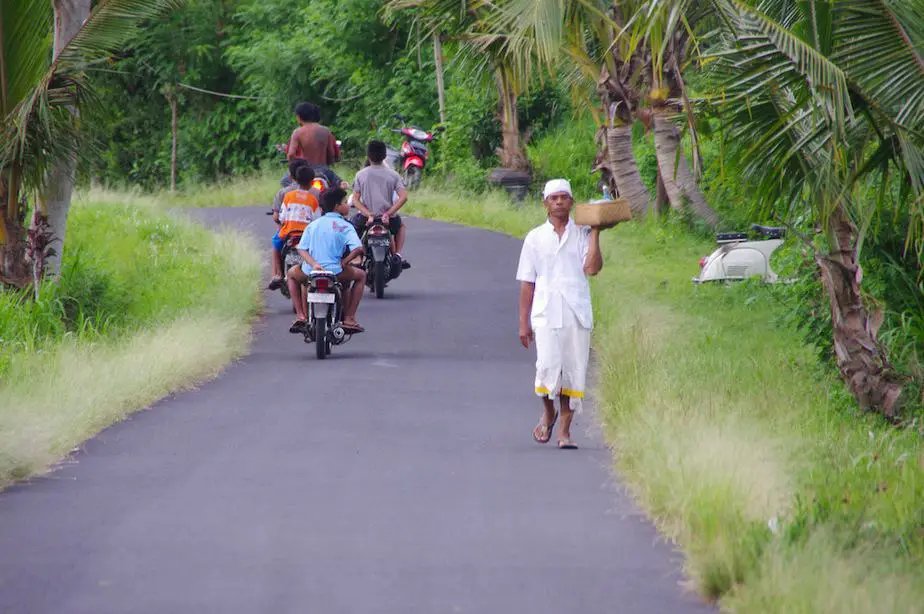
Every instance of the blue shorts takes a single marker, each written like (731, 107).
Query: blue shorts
(278, 242)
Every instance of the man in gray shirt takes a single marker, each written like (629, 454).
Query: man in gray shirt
(374, 188)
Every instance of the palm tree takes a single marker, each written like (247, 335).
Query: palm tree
(464, 21)
(45, 48)
(825, 100)
(633, 52)
(584, 35)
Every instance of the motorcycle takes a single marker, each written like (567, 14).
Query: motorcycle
(325, 313)
(414, 152)
(738, 257)
(380, 262)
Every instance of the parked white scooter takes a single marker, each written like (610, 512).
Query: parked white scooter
(739, 258)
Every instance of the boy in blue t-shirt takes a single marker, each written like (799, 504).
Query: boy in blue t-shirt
(323, 245)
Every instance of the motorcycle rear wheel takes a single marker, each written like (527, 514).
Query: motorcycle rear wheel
(378, 280)
(412, 177)
(320, 337)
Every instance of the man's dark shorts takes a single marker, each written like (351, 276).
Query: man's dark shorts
(359, 221)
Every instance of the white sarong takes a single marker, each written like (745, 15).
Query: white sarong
(562, 358)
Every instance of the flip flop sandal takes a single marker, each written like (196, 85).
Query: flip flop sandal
(567, 444)
(352, 329)
(543, 433)
(298, 326)
(276, 283)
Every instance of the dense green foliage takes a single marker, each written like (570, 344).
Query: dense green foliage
(271, 55)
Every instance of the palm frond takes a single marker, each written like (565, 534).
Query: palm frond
(25, 48)
(882, 60)
(110, 26)
(771, 53)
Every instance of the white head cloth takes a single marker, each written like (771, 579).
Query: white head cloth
(557, 186)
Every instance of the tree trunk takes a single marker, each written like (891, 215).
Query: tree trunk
(511, 152)
(440, 86)
(616, 161)
(860, 357)
(680, 185)
(662, 203)
(14, 269)
(173, 140)
(56, 199)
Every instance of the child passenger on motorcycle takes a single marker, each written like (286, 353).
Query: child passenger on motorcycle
(276, 253)
(299, 208)
(323, 246)
(374, 188)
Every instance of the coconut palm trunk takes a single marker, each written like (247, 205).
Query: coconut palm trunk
(616, 162)
(860, 356)
(615, 158)
(679, 183)
(511, 153)
(14, 269)
(70, 16)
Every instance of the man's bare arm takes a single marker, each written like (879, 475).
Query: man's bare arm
(292, 149)
(402, 199)
(527, 292)
(311, 261)
(358, 203)
(594, 260)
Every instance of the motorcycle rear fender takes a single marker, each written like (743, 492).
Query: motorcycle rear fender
(379, 252)
(320, 310)
(413, 161)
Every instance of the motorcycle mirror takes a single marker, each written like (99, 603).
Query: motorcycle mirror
(441, 129)
(399, 117)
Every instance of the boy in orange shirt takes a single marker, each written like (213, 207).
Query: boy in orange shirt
(299, 207)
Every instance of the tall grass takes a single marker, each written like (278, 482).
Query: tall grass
(147, 303)
(743, 448)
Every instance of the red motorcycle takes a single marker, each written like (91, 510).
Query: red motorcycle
(414, 152)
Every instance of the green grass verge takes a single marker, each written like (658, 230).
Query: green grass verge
(741, 447)
(148, 304)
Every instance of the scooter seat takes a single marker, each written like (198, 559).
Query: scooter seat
(724, 237)
(770, 232)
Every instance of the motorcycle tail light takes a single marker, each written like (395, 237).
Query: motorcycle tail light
(318, 185)
(703, 261)
(322, 284)
(378, 231)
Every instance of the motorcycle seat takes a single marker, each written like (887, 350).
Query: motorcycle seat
(770, 232)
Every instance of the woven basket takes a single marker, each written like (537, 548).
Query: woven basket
(602, 213)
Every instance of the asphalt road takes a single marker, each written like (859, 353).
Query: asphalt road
(399, 476)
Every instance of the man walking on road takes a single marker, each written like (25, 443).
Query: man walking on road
(555, 308)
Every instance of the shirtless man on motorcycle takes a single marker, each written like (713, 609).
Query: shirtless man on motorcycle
(314, 143)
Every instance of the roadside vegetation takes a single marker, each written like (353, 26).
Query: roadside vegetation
(743, 446)
(148, 303)
(726, 406)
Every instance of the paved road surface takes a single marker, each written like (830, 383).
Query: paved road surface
(397, 477)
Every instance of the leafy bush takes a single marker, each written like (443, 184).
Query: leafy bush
(567, 151)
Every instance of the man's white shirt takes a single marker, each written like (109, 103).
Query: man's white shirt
(556, 267)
